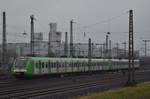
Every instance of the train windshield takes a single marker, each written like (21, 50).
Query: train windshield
(20, 62)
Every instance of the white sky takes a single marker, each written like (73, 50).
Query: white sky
(84, 13)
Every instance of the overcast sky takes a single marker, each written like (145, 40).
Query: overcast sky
(84, 13)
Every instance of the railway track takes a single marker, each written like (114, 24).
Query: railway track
(50, 83)
(55, 90)
(63, 87)
(53, 84)
(41, 91)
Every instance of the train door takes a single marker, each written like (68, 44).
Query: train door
(53, 67)
(86, 66)
(49, 66)
(63, 66)
(46, 69)
(42, 68)
(60, 66)
(36, 68)
(40, 65)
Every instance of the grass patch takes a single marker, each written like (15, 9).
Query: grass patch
(141, 91)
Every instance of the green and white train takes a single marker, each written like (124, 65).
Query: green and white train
(31, 66)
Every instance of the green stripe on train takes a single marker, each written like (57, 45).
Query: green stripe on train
(29, 68)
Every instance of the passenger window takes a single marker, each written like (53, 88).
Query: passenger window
(56, 64)
(63, 64)
(72, 64)
(42, 65)
(37, 65)
(49, 63)
(53, 64)
(46, 65)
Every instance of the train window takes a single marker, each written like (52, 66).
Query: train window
(114, 64)
(73, 64)
(54, 64)
(63, 64)
(94, 63)
(79, 64)
(83, 64)
(43, 65)
(20, 62)
(46, 64)
(57, 64)
(51, 64)
(98, 63)
(40, 64)
(37, 65)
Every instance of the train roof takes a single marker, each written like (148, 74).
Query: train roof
(71, 59)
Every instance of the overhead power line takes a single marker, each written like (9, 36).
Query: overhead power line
(105, 21)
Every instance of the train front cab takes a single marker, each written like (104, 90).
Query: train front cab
(19, 67)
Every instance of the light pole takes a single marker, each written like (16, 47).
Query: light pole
(107, 40)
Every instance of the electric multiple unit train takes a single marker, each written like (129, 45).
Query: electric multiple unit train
(32, 66)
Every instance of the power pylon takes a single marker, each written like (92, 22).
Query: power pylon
(131, 70)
